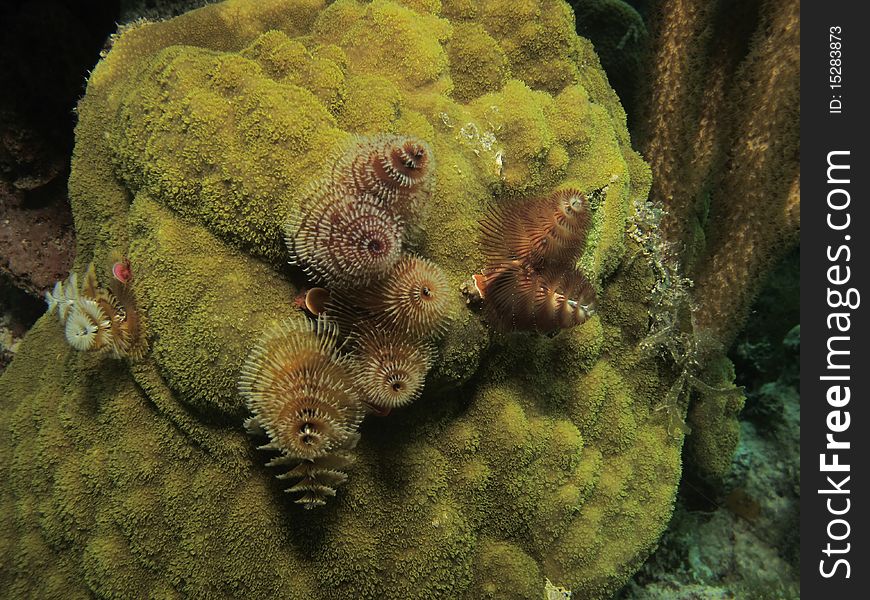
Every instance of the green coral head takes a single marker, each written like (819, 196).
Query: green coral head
(197, 142)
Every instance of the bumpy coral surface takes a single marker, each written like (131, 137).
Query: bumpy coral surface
(528, 457)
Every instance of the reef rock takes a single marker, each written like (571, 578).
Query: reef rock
(527, 458)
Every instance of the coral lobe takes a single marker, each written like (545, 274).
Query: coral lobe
(526, 458)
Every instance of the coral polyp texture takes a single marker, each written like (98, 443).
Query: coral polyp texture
(525, 458)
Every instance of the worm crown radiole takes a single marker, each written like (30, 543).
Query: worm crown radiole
(530, 282)
(104, 319)
(307, 392)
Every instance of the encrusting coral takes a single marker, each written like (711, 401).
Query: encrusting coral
(526, 458)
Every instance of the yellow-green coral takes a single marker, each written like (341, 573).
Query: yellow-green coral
(527, 459)
(713, 419)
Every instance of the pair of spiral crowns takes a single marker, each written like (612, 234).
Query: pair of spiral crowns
(309, 383)
(102, 319)
(352, 225)
(531, 247)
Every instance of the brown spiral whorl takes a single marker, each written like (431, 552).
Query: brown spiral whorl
(342, 240)
(530, 282)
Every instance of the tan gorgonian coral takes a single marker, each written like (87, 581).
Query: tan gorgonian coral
(389, 370)
(299, 389)
(395, 169)
(343, 240)
(724, 86)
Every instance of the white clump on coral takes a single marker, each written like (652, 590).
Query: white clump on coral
(85, 322)
(555, 592)
(63, 297)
